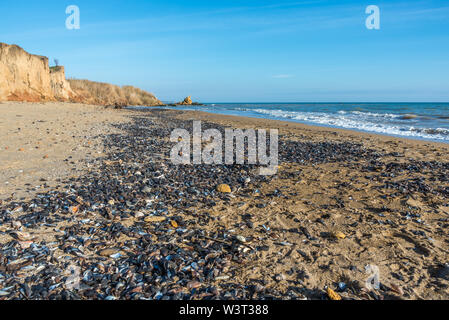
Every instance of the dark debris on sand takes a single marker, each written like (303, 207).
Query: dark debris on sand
(161, 254)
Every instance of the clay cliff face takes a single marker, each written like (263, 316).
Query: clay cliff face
(23, 76)
(27, 77)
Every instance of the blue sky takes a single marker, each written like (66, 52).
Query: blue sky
(245, 51)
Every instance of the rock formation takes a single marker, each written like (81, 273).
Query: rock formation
(187, 101)
(28, 77)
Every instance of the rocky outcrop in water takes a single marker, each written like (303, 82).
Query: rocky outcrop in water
(188, 102)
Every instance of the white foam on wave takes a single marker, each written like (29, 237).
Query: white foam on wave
(358, 120)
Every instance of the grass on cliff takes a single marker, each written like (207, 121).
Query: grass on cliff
(109, 94)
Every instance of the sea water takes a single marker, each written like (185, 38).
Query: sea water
(428, 121)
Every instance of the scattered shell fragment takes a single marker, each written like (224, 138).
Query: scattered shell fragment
(25, 244)
(241, 238)
(23, 236)
(109, 252)
(154, 219)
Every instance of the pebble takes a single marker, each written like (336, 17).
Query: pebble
(339, 235)
(224, 188)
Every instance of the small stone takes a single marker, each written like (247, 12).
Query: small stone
(224, 188)
(339, 235)
(332, 294)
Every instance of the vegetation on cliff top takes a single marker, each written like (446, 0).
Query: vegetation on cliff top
(108, 94)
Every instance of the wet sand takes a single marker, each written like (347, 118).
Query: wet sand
(318, 223)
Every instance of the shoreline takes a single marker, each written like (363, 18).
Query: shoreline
(370, 139)
(330, 127)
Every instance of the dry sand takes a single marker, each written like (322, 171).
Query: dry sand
(42, 143)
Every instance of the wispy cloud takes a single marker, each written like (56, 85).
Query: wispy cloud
(283, 76)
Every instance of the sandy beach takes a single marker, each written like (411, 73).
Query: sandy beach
(43, 143)
(343, 203)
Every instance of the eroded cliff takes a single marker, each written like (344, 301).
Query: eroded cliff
(28, 77)
(23, 76)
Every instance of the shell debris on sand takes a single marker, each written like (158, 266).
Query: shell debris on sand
(146, 228)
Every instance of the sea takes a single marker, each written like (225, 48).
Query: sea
(424, 121)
